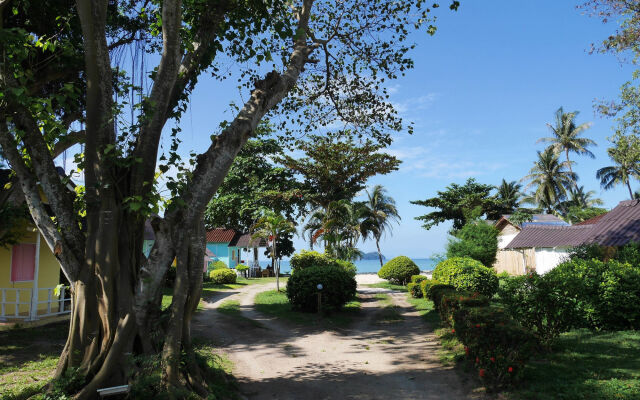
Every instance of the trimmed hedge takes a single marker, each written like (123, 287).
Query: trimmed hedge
(338, 287)
(425, 287)
(219, 265)
(306, 259)
(467, 274)
(223, 276)
(414, 287)
(399, 270)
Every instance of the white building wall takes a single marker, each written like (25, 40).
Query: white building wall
(548, 258)
(504, 240)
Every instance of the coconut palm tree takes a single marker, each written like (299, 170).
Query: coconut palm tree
(550, 178)
(509, 195)
(339, 227)
(617, 174)
(378, 214)
(272, 226)
(566, 136)
(584, 199)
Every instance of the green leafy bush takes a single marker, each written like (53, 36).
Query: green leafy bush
(436, 291)
(465, 273)
(497, 346)
(414, 288)
(629, 254)
(219, 265)
(606, 294)
(537, 303)
(306, 259)
(338, 287)
(477, 240)
(452, 301)
(399, 270)
(425, 287)
(223, 276)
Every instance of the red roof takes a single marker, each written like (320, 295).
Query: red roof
(221, 235)
(592, 221)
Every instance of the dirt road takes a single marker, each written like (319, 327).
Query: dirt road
(371, 359)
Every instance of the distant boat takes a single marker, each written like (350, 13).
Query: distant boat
(371, 256)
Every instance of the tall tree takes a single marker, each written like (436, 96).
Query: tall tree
(254, 182)
(339, 227)
(272, 227)
(583, 199)
(62, 69)
(566, 136)
(550, 179)
(625, 153)
(508, 196)
(335, 169)
(459, 203)
(379, 212)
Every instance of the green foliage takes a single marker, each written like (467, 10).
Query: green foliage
(550, 178)
(435, 291)
(460, 203)
(625, 154)
(576, 214)
(418, 278)
(587, 252)
(414, 287)
(334, 169)
(465, 273)
(254, 182)
(338, 287)
(426, 287)
(306, 259)
(223, 276)
(539, 305)
(219, 265)
(242, 267)
(606, 294)
(477, 240)
(629, 254)
(13, 220)
(498, 348)
(521, 215)
(451, 301)
(399, 270)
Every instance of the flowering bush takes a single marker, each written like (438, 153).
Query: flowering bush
(452, 301)
(414, 288)
(498, 347)
(426, 286)
(436, 291)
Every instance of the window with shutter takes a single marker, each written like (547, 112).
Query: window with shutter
(23, 262)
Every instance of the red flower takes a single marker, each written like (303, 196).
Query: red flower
(481, 373)
(466, 350)
(477, 325)
(453, 331)
(477, 360)
(510, 369)
(493, 359)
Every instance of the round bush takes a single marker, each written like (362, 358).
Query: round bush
(223, 276)
(465, 273)
(219, 265)
(338, 287)
(399, 270)
(306, 259)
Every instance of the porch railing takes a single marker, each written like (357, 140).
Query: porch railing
(19, 304)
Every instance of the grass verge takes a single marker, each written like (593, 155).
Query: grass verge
(388, 313)
(276, 304)
(231, 308)
(386, 285)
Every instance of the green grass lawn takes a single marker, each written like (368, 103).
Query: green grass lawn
(386, 285)
(276, 304)
(583, 365)
(28, 358)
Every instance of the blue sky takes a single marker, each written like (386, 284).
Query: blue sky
(481, 93)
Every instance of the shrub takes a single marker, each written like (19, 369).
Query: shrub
(418, 278)
(306, 259)
(219, 265)
(629, 254)
(477, 240)
(452, 301)
(338, 287)
(498, 347)
(414, 288)
(223, 276)
(537, 303)
(438, 290)
(465, 273)
(425, 287)
(242, 269)
(399, 270)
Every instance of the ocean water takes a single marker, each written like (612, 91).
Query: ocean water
(364, 266)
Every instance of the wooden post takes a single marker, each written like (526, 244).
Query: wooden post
(33, 315)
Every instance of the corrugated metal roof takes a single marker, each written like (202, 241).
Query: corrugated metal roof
(619, 226)
(221, 235)
(550, 236)
(245, 241)
(592, 221)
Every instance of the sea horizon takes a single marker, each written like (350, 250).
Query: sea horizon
(364, 266)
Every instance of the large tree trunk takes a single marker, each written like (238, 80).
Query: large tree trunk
(379, 252)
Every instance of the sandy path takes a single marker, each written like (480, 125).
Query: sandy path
(368, 360)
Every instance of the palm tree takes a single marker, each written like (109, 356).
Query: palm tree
(339, 227)
(617, 174)
(566, 136)
(551, 178)
(271, 226)
(584, 199)
(509, 195)
(380, 210)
